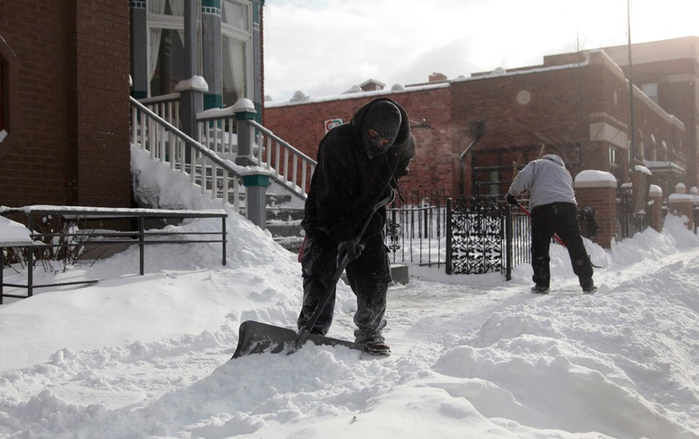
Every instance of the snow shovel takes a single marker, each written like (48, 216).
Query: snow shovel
(256, 338)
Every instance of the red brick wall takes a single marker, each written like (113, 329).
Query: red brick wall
(302, 125)
(603, 201)
(656, 211)
(682, 205)
(552, 106)
(67, 119)
(101, 79)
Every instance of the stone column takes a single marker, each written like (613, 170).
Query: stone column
(597, 190)
(139, 49)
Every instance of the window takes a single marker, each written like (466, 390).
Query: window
(651, 90)
(236, 50)
(166, 48)
(166, 45)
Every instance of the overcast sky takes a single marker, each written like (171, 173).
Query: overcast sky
(324, 47)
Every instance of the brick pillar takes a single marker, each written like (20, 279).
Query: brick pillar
(655, 193)
(597, 190)
(682, 204)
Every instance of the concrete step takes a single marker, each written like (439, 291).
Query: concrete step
(283, 213)
(284, 228)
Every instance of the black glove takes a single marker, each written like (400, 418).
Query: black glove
(511, 199)
(350, 249)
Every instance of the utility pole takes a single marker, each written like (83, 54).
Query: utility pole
(632, 129)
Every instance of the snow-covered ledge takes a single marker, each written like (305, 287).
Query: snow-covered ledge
(593, 178)
(597, 190)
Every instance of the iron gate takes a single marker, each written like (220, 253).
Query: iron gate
(472, 236)
(486, 236)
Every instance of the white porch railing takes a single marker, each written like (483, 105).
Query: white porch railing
(231, 147)
(218, 178)
(290, 168)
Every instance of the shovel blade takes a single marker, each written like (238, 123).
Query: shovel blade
(257, 338)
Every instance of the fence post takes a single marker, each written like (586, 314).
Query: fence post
(597, 189)
(449, 237)
(256, 198)
(256, 182)
(682, 204)
(655, 193)
(509, 236)
(244, 111)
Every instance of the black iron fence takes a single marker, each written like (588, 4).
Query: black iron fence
(416, 229)
(630, 219)
(466, 236)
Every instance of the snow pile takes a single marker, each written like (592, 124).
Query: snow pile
(473, 356)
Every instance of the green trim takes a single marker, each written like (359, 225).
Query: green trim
(137, 4)
(211, 4)
(258, 115)
(139, 94)
(256, 180)
(212, 100)
(255, 13)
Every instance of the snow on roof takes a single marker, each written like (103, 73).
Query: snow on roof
(642, 169)
(392, 91)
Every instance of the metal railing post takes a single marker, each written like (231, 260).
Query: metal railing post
(449, 237)
(141, 240)
(509, 236)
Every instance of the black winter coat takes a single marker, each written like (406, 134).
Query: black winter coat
(347, 184)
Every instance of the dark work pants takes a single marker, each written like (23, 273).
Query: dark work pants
(561, 219)
(369, 277)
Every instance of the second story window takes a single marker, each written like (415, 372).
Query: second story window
(651, 90)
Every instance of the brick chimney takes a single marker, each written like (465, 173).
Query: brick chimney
(438, 77)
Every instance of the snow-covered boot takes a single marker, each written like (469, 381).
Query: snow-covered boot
(376, 346)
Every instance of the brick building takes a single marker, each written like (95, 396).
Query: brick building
(577, 103)
(65, 113)
(65, 69)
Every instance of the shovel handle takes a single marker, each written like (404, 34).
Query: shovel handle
(304, 332)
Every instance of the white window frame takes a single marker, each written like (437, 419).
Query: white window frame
(171, 22)
(246, 37)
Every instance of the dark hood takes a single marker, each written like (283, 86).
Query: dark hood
(360, 122)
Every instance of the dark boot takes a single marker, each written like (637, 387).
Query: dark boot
(588, 286)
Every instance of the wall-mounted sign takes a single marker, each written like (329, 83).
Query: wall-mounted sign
(332, 123)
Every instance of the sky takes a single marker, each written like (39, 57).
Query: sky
(325, 47)
(472, 356)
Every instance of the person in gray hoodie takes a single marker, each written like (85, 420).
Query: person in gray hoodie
(554, 211)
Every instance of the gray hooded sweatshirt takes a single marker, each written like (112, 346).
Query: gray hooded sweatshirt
(547, 180)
